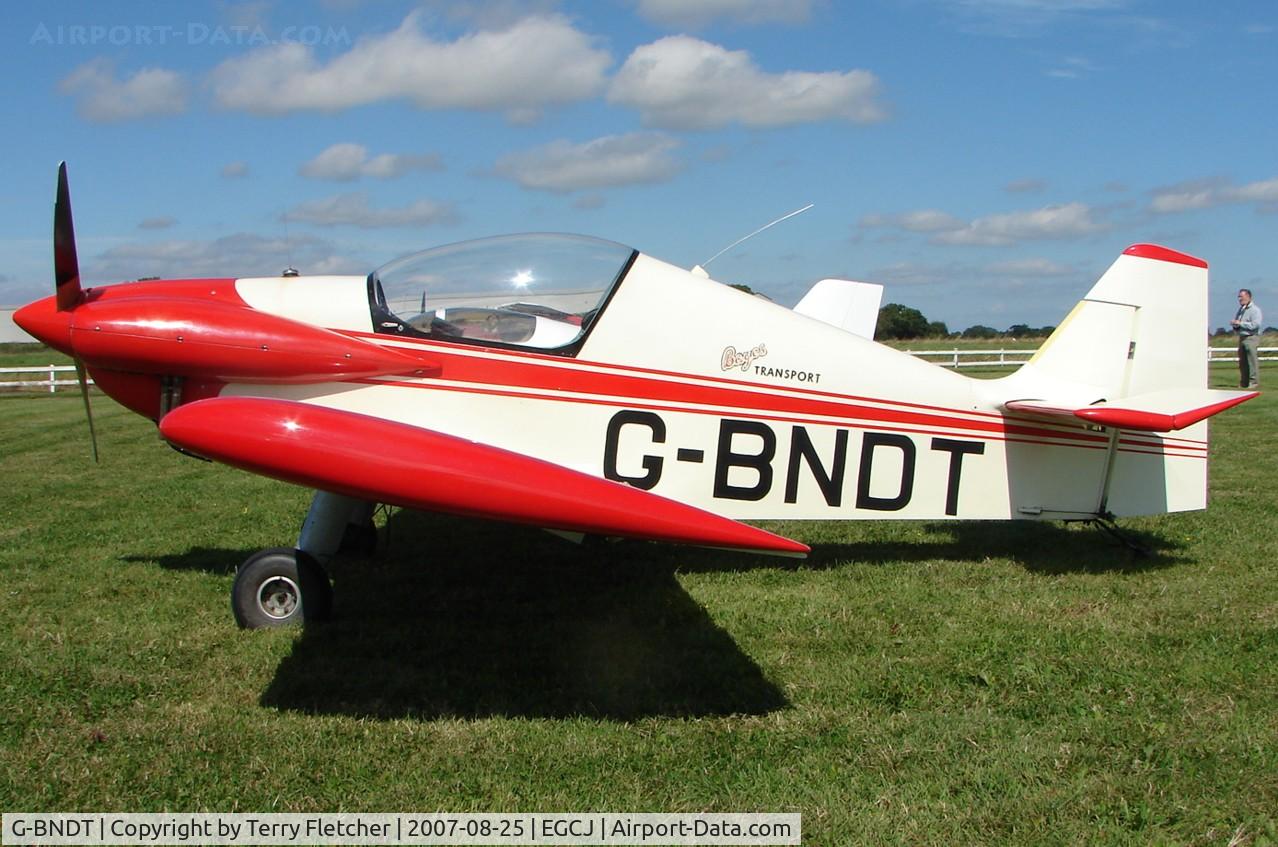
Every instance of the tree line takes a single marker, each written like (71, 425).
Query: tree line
(1221, 331)
(905, 322)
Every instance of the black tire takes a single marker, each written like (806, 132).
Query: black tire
(280, 587)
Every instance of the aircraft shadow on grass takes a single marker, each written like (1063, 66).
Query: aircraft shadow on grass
(1039, 547)
(473, 619)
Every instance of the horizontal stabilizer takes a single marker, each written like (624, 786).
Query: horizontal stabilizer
(1156, 411)
(389, 462)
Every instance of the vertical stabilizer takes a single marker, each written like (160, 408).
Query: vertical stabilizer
(1141, 329)
(851, 306)
(1128, 361)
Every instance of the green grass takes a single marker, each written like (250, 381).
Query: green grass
(910, 683)
(35, 355)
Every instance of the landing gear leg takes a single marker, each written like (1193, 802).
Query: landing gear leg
(360, 535)
(337, 523)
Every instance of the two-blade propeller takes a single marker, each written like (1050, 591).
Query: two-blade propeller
(66, 274)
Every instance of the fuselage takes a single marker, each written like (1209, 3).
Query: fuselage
(660, 378)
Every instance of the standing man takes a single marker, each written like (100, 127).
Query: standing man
(1247, 323)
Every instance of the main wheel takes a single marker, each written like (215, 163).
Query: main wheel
(280, 587)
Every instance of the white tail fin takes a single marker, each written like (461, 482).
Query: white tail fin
(1142, 328)
(1131, 357)
(852, 306)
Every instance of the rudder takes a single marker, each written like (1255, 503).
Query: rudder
(1141, 329)
(1130, 358)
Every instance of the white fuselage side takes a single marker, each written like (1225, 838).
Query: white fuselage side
(701, 393)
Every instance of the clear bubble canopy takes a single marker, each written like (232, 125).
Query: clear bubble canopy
(540, 290)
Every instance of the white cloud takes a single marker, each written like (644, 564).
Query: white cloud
(1025, 186)
(1073, 67)
(634, 158)
(249, 15)
(241, 254)
(680, 82)
(1029, 268)
(1209, 193)
(926, 220)
(1070, 220)
(235, 170)
(1009, 273)
(1186, 196)
(354, 210)
(1020, 18)
(101, 98)
(912, 273)
(534, 63)
(1265, 191)
(156, 223)
(489, 14)
(347, 162)
(693, 14)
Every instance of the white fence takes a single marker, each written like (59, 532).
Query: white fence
(975, 358)
(52, 376)
(49, 377)
(1008, 358)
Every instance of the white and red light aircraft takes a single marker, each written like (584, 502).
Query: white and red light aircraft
(582, 386)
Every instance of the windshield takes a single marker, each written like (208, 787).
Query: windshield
(540, 290)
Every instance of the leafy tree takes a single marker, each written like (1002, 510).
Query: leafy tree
(748, 290)
(980, 331)
(897, 321)
(937, 329)
(1026, 331)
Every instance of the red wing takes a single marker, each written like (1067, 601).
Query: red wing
(384, 461)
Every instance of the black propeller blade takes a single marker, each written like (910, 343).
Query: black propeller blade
(66, 267)
(82, 376)
(66, 275)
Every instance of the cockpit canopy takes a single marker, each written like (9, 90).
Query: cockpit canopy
(540, 291)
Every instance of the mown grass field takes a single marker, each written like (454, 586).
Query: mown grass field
(910, 683)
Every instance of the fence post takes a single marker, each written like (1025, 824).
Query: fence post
(52, 381)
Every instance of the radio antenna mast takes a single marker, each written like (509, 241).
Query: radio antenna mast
(701, 268)
(288, 246)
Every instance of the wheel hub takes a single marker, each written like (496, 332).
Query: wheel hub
(278, 597)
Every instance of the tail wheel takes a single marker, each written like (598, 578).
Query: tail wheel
(280, 587)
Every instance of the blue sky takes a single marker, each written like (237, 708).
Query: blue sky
(984, 159)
